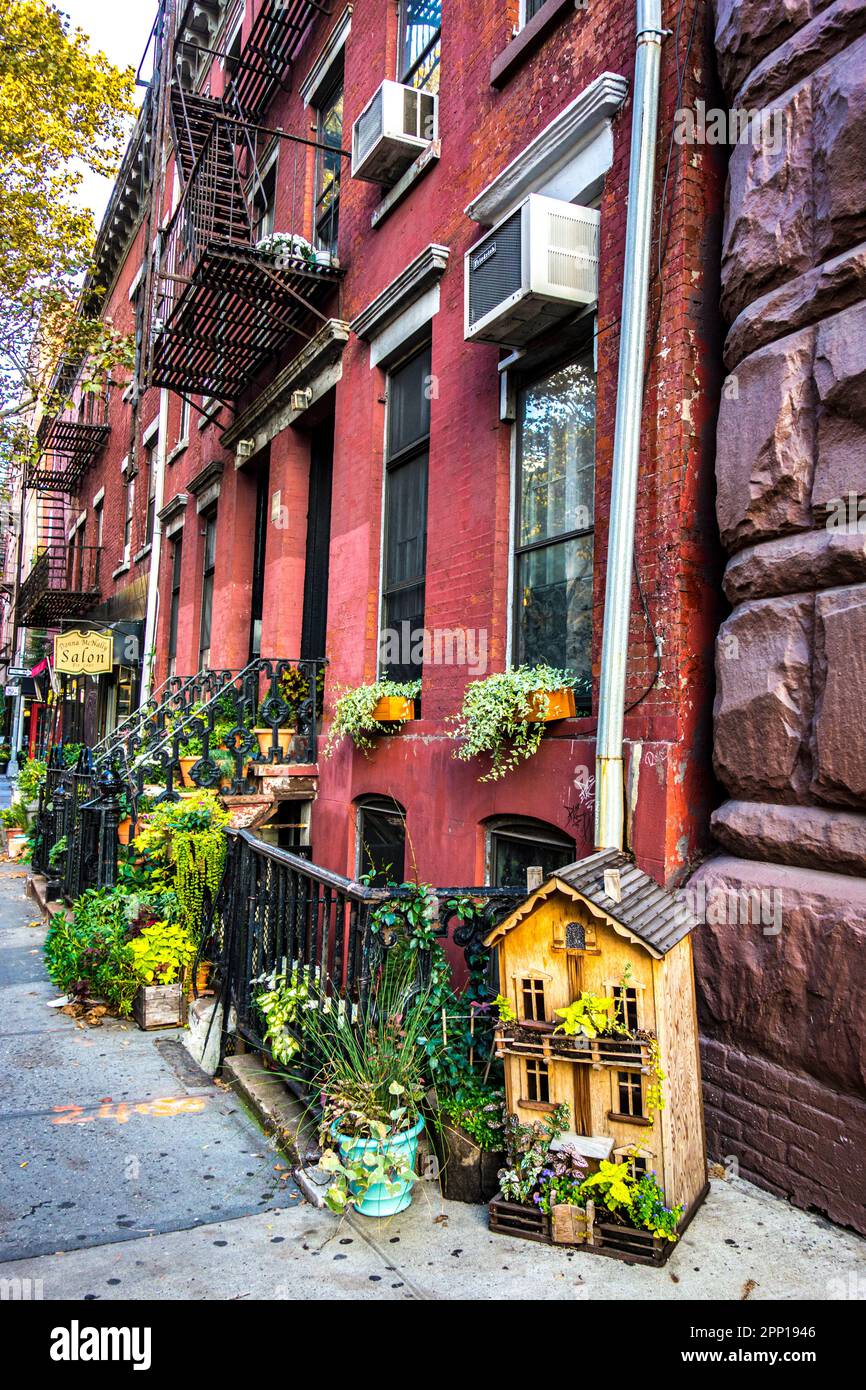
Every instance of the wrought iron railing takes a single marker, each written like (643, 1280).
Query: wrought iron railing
(276, 912)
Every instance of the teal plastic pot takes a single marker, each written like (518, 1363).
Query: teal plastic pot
(378, 1200)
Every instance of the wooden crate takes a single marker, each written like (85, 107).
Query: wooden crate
(512, 1219)
(394, 710)
(160, 1006)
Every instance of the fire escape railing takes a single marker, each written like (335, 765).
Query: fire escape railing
(67, 449)
(63, 583)
(234, 285)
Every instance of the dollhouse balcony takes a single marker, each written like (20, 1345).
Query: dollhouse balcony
(539, 1040)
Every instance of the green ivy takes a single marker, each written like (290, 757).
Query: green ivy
(494, 721)
(353, 712)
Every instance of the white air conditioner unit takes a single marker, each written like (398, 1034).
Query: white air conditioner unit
(533, 268)
(392, 131)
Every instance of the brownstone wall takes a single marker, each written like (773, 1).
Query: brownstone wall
(781, 998)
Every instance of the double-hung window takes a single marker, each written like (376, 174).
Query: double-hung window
(209, 567)
(555, 517)
(329, 133)
(420, 44)
(174, 612)
(405, 557)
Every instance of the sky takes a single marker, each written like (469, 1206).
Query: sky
(119, 28)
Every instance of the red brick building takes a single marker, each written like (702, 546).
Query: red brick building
(268, 511)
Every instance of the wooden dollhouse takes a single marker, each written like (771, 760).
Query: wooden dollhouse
(605, 928)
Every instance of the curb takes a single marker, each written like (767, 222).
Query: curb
(279, 1113)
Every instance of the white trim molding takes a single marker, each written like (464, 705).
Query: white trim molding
(567, 160)
(318, 79)
(404, 306)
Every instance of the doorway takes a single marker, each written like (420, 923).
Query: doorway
(314, 626)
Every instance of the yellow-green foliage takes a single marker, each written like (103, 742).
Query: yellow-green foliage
(188, 839)
(162, 952)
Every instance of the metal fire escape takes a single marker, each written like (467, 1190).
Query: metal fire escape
(228, 297)
(64, 580)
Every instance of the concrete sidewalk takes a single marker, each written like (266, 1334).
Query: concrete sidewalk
(127, 1173)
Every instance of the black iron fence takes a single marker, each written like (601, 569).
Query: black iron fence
(277, 914)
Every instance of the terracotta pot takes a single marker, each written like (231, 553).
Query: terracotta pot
(393, 709)
(185, 766)
(124, 830)
(266, 740)
(560, 705)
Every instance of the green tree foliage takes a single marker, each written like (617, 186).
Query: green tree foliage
(63, 110)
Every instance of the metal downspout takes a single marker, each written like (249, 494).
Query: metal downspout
(609, 788)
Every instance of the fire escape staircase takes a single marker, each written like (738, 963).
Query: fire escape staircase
(225, 306)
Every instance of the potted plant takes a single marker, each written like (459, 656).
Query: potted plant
(16, 820)
(161, 953)
(372, 1077)
(31, 775)
(468, 1137)
(369, 710)
(5, 756)
(504, 716)
(267, 734)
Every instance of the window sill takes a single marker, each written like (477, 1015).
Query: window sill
(142, 554)
(180, 447)
(121, 569)
(629, 1119)
(547, 1106)
(530, 37)
(404, 185)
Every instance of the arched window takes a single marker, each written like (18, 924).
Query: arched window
(381, 839)
(518, 844)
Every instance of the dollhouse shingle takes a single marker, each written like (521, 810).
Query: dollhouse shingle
(658, 917)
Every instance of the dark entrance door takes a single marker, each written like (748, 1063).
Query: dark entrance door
(260, 539)
(315, 620)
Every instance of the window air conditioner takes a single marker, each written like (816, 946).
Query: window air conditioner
(531, 270)
(391, 132)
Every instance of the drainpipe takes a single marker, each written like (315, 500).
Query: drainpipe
(609, 791)
(152, 611)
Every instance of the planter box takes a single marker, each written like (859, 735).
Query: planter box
(160, 1006)
(560, 705)
(124, 830)
(467, 1172)
(392, 709)
(513, 1219)
(15, 842)
(598, 1237)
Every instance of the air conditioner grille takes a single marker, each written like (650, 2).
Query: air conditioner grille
(496, 268)
(572, 253)
(370, 127)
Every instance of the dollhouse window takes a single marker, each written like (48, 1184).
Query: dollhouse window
(626, 1000)
(630, 1090)
(532, 994)
(537, 1082)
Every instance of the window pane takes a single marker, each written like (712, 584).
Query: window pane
(532, 8)
(382, 843)
(421, 22)
(557, 454)
(554, 606)
(512, 857)
(406, 522)
(328, 184)
(408, 403)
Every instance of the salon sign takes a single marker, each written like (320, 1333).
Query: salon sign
(84, 653)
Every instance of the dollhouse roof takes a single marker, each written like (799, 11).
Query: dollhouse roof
(654, 917)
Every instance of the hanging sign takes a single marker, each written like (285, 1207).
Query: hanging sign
(84, 653)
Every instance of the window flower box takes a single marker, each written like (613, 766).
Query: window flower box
(393, 709)
(560, 705)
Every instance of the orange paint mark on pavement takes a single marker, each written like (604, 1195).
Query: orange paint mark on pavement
(163, 1108)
